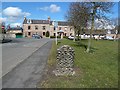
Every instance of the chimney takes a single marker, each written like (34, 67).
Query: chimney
(24, 17)
(48, 18)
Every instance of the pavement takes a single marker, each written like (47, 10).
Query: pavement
(29, 71)
(18, 50)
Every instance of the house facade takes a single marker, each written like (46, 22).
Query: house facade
(40, 27)
(12, 32)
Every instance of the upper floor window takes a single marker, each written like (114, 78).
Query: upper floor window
(70, 29)
(65, 28)
(44, 27)
(29, 27)
(59, 28)
(54, 28)
(36, 27)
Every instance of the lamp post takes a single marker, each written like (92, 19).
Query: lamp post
(55, 23)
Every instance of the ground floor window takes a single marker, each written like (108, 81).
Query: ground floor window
(25, 34)
(54, 34)
(70, 34)
(65, 34)
(59, 34)
(43, 33)
(29, 33)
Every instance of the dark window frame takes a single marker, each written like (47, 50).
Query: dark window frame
(60, 28)
(44, 27)
(54, 34)
(43, 33)
(70, 29)
(65, 34)
(36, 27)
(29, 33)
(29, 27)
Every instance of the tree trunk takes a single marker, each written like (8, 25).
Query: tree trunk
(91, 30)
(79, 34)
(90, 39)
(74, 35)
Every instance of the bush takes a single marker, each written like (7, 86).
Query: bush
(55, 37)
(58, 36)
(52, 36)
(65, 36)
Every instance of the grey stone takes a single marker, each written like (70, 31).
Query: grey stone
(64, 61)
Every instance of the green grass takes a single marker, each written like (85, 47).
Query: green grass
(93, 70)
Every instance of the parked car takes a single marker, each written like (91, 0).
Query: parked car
(71, 37)
(36, 36)
(109, 38)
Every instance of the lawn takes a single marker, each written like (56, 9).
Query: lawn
(98, 69)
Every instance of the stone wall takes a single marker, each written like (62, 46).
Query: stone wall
(65, 61)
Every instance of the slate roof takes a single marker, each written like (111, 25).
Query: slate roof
(40, 21)
(15, 28)
(61, 23)
(95, 32)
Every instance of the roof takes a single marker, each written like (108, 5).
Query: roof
(15, 28)
(32, 21)
(63, 23)
(94, 32)
(40, 21)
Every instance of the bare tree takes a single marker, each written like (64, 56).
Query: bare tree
(81, 12)
(98, 10)
(77, 17)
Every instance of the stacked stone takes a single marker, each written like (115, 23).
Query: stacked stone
(65, 61)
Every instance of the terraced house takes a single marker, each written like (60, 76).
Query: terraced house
(41, 27)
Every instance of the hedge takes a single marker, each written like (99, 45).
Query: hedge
(55, 37)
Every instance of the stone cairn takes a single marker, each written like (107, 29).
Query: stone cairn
(65, 61)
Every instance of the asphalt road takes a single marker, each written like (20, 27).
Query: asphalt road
(18, 50)
(29, 72)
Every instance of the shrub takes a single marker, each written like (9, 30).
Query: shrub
(65, 36)
(52, 36)
(58, 36)
(55, 37)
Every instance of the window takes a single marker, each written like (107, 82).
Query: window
(70, 29)
(54, 34)
(29, 27)
(29, 33)
(70, 34)
(65, 34)
(59, 28)
(65, 28)
(54, 28)
(43, 33)
(44, 27)
(36, 27)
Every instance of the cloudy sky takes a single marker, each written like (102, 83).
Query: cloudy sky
(13, 12)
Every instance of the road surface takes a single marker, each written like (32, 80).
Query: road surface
(29, 72)
(18, 50)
